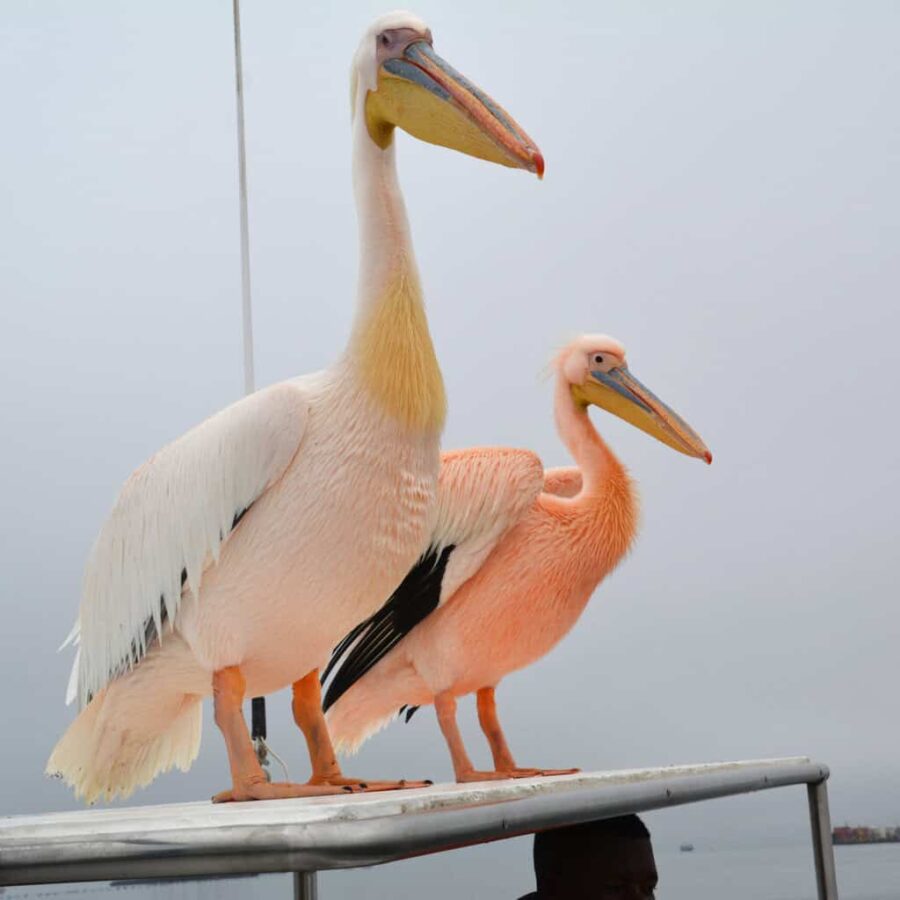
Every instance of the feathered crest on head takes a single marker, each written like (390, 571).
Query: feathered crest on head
(561, 351)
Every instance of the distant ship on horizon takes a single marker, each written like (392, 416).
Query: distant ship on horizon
(865, 834)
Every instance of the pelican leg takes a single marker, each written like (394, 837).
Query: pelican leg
(503, 758)
(247, 778)
(306, 704)
(445, 707)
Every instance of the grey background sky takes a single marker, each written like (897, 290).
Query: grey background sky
(722, 194)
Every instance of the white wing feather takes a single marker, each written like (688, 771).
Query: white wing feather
(171, 517)
(482, 493)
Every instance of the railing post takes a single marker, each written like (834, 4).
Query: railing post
(305, 886)
(823, 848)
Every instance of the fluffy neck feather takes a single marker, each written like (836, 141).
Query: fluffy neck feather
(607, 504)
(390, 345)
(597, 462)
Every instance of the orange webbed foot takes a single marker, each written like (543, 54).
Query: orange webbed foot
(513, 772)
(277, 790)
(368, 785)
(307, 708)
(518, 772)
(473, 775)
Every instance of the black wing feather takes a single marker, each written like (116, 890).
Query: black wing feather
(416, 597)
(342, 647)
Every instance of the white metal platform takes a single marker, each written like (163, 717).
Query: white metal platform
(307, 835)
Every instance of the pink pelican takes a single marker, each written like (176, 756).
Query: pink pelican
(514, 556)
(236, 557)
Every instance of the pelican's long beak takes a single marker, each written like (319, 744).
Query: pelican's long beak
(620, 393)
(428, 98)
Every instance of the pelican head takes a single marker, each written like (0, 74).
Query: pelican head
(595, 368)
(399, 81)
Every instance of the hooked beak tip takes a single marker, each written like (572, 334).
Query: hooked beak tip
(708, 457)
(538, 161)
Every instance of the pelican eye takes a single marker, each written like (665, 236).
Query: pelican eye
(598, 358)
(384, 38)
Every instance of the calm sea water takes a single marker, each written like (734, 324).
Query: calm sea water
(869, 872)
(502, 872)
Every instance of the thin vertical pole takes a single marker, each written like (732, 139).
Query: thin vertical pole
(249, 386)
(823, 848)
(305, 886)
(258, 731)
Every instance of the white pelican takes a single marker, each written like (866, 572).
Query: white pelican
(515, 554)
(331, 476)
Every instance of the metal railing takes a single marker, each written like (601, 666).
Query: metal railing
(308, 835)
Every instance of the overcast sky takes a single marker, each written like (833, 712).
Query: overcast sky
(722, 194)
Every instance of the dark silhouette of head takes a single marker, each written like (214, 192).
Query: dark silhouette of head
(611, 859)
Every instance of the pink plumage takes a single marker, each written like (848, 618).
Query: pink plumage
(234, 558)
(516, 554)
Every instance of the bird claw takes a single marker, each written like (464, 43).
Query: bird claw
(370, 786)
